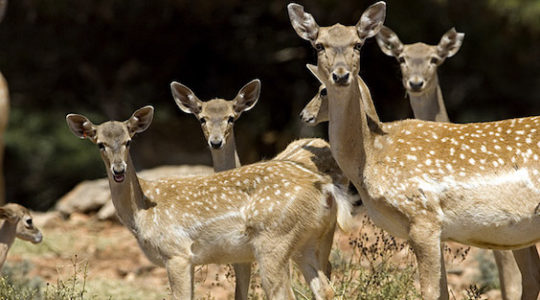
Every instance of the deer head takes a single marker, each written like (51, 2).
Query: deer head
(17, 214)
(338, 47)
(217, 116)
(113, 138)
(419, 61)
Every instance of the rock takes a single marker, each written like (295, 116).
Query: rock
(47, 219)
(87, 196)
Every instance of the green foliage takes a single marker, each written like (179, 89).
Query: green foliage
(41, 150)
(14, 284)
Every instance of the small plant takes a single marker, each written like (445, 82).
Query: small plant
(15, 285)
(73, 288)
(473, 293)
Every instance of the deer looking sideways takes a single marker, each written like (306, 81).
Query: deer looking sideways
(419, 63)
(251, 213)
(476, 184)
(217, 118)
(4, 114)
(16, 221)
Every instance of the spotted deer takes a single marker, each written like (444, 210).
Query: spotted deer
(4, 114)
(16, 222)
(217, 118)
(427, 182)
(419, 63)
(267, 212)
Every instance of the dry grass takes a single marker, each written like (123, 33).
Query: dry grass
(85, 259)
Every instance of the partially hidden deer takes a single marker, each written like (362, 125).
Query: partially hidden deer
(427, 182)
(217, 118)
(316, 111)
(16, 222)
(4, 115)
(418, 63)
(267, 212)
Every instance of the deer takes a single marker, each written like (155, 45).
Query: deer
(217, 118)
(4, 114)
(16, 222)
(267, 212)
(418, 63)
(423, 181)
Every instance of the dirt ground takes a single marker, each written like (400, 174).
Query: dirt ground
(107, 258)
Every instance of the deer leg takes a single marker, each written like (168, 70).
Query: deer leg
(180, 273)
(443, 283)
(509, 275)
(243, 275)
(529, 264)
(313, 273)
(324, 251)
(273, 258)
(426, 244)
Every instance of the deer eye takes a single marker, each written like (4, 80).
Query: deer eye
(324, 92)
(230, 120)
(202, 120)
(401, 59)
(319, 47)
(434, 60)
(357, 46)
(29, 222)
(128, 143)
(101, 146)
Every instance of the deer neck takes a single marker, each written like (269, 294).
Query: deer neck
(127, 196)
(226, 158)
(348, 129)
(7, 236)
(429, 106)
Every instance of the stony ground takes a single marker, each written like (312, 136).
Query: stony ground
(106, 258)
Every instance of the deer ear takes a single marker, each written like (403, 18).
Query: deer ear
(303, 23)
(247, 96)
(371, 21)
(185, 98)
(315, 71)
(7, 213)
(81, 126)
(450, 43)
(140, 120)
(389, 42)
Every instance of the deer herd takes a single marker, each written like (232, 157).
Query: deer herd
(425, 180)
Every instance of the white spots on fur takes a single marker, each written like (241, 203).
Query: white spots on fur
(472, 161)
(411, 157)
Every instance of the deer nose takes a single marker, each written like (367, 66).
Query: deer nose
(216, 144)
(117, 171)
(341, 79)
(416, 85)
